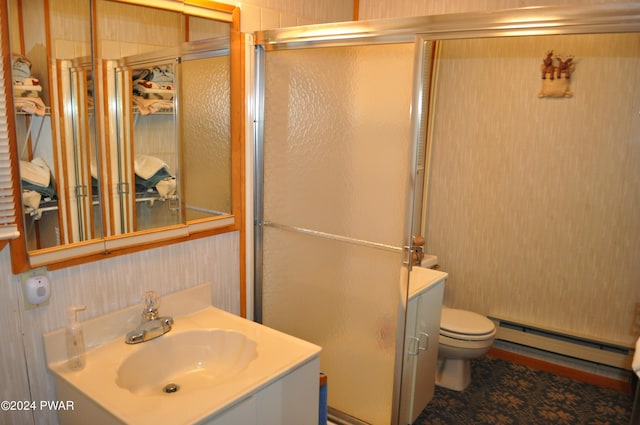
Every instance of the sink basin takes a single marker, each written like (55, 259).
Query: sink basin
(186, 361)
(214, 367)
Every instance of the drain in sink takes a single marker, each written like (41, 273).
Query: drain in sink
(171, 388)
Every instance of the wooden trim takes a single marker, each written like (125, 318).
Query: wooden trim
(213, 5)
(19, 261)
(136, 248)
(106, 183)
(567, 372)
(20, 258)
(238, 147)
(21, 25)
(101, 131)
(130, 157)
(169, 5)
(63, 212)
(356, 9)
(55, 138)
(187, 29)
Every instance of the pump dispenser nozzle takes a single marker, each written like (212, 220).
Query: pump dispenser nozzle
(75, 339)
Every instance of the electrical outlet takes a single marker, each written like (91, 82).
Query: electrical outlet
(26, 277)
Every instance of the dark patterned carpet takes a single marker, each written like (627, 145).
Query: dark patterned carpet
(504, 393)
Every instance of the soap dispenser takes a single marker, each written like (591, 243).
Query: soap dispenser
(75, 339)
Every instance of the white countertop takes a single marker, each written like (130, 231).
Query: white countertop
(421, 278)
(277, 354)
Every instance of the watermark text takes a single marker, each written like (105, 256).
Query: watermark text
(21, 405)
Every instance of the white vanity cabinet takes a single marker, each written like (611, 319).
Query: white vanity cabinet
(293, 399)
(248, 375)
(426, 291)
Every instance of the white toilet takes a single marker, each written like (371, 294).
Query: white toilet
(464, 335)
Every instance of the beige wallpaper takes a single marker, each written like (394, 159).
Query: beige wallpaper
(376, 9)
(533, 201)
(269, 14)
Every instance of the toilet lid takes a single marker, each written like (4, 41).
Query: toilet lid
(465, 322)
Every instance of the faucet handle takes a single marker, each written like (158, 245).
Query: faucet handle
(151, 300)
(151, 303)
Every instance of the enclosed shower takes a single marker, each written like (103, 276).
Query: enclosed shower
(346, 129)
(339, 148)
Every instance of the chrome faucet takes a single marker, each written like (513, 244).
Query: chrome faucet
(152, 326)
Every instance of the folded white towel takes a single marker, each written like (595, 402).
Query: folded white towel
(146, 166)
(36, 172)
(30, 82)
(635, 364)
(151, 106)
(30, 105)
(31, 88)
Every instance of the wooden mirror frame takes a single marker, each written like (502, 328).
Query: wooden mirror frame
(97, 249)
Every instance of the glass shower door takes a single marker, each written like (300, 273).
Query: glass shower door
(337, 154)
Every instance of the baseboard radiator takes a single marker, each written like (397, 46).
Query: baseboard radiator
(567, 345)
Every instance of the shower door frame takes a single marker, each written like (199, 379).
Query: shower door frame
(421, 64)
(546, 20)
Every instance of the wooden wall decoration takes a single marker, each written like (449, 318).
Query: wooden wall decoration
(556, 75)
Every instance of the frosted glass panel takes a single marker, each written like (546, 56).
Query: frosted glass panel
(336, 156)
(206, 136)
(340, 117)
(343, 297)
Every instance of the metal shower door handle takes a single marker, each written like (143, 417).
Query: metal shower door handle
(416, 346)
(426, 341)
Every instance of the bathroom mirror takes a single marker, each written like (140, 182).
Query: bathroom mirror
(206, 132)
(89, 152)
(146, 145)
(53, 92)
(171, 99)
(81, 173)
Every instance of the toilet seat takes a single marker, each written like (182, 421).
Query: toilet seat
(465, 325)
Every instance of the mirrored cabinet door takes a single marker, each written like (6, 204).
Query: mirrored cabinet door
(169, 101)
(206, 132)
(52, 80)
(32, 100)
(112, 155)
(146, 145)
(81, 169)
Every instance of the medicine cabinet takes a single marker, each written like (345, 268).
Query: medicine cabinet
(128, 122)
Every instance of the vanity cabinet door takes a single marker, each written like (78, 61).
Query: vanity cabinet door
(244, 413)
(421, 351)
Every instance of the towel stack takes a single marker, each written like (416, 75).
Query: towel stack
(37, 185)
(153, 89)
(154, 83)
(26, 88)
(153, 174)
